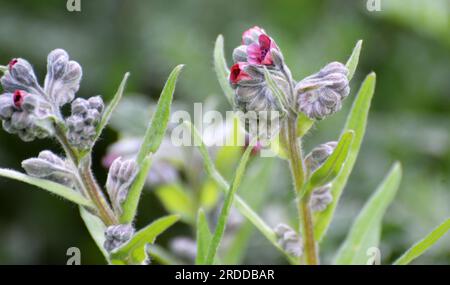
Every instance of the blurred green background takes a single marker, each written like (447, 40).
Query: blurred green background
(407, 44)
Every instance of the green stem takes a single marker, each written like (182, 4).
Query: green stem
(298, 175)
(87, 179)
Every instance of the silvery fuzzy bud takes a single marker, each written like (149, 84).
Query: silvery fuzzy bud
(318, 155)
(20, 76)
(63, 77)
(289, 240)
(121, 176)
(321, 198)
(117, 235)
(25, 114)
(49, 166)
(184, 247)
(321, 94)
(82, 124)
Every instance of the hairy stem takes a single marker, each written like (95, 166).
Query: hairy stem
(87, 180)
(298, 176)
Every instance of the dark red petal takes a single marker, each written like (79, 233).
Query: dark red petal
(234, 73)
(12, 63)
(18, 98)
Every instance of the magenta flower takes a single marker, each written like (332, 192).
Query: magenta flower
(18, 98)
(256, 47)
(238, 74)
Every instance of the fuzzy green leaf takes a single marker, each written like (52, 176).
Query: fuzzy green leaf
(221, 68)
(158, 125)
(112, 106)
(352, 62)
(304, 124)
(423, 245)
(203, 237)
(177, 201)
(276, 90)
(133, 252)
(130, 205)
(366, 230)
(224, 213)
(52, 187)
(334, 163)
(3, 68)
(356, 121)
(96, 229)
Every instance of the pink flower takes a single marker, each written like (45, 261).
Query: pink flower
(237, 73)
(257, 47)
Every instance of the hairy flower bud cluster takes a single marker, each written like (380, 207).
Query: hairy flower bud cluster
(24, 114)
(120, 177)
(320, 95)
(116, 235)
(257, 52)
(318, 155)
(83, 121)
(49, 166)
(289, 240)
(26, 108)
(321, 198)
(63, 77)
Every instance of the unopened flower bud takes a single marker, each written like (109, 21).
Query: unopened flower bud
(321, 198)
(289, 240)
(49, 166)
(24, 114)
(318, 155)
(121, 176)
(63, 77)
(86, 114)
(321, 94)
(116, 235)
(20, 75)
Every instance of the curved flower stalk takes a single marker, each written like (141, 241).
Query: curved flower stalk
(33, 112)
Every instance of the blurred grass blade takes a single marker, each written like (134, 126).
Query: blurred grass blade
(112, 106)
(224, 213)
(133, 252)
(177, 201)
(130, 205)
(356, 121)
(423, 245)
(52, 187)
(157, 128)
(240, 204)
(334, 163)
(221, 68)
(352, 62)
(162, 256)
(366, 230)
(96, 229)
(203, 237)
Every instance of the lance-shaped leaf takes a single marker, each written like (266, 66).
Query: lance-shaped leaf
(356, 121)
(224, 213)
(423, 245)
(176, 200)
(112, 106)
(3, 68)
(275, 89)
(152, 140)
(333, 165)
(52, 187)
(96, 229)
(157, 128)
(366, 230)
(222, 71)
(352, 62)
(133, 252)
